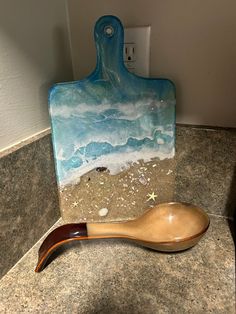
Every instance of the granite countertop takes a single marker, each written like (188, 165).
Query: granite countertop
(114, 276)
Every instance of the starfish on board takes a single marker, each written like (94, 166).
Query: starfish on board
(75, 204)
(151, 196)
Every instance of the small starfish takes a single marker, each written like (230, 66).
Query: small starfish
(75, 204)
(151, 196)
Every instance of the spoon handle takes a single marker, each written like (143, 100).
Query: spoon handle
(76, 232)
(57, 237)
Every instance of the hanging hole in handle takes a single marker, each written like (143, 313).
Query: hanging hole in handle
(108, 30)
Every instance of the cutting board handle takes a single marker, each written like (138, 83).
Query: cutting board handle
(109, 39)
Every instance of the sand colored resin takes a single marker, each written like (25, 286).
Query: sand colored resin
(125, 195)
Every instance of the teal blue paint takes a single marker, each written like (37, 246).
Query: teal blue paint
(112, 117)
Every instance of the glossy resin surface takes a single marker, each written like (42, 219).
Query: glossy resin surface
(111, 118)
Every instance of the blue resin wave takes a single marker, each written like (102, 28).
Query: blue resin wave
(113, 117)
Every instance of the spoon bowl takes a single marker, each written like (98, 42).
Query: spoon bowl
(167, 227)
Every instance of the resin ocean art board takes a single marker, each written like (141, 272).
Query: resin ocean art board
(109, 120)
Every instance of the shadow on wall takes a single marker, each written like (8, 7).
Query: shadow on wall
(34, 38)
(60, 54)
(231, 206)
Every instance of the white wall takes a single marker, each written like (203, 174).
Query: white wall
(34, 53)
(192, 42)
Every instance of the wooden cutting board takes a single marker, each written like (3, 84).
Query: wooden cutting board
(112, 118)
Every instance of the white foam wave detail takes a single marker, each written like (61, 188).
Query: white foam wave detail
(116, 163)
(112, 139)
(66, 112)
(127, 111)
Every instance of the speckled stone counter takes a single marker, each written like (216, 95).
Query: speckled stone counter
(28, 197)
(109, 276)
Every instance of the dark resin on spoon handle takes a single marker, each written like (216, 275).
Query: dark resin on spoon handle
(59, 236)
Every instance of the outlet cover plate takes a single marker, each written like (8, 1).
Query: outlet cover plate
(140, 36)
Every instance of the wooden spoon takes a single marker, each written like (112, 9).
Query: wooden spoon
(167, 227)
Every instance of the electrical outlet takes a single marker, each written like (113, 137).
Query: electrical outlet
(129, 56)
(137, 49)
(129, 52)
